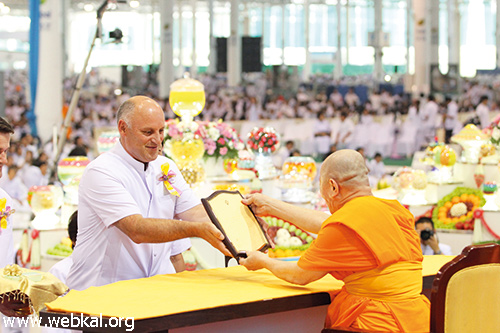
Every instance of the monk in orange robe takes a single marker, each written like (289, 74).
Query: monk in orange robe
(368, 243)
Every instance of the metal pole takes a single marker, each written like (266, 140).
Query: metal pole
(347, 32)
(283, 33)
(408, 27)
(194, 67)
(338, 58)
(307, 65)
(76, 95)
(378, 71)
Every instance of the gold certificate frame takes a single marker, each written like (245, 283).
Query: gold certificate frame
(242, 231)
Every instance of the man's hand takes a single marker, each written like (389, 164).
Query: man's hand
(258, 203)
(11, 305)
(254, 260)
(214, 236)
(433, 243)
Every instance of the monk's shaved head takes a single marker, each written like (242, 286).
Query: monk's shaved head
(347, 167)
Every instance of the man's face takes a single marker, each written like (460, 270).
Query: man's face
(422, 226)
(43, 169)
(4, 146)
(419, 227)
(143, 139)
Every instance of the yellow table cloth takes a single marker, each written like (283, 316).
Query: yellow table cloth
(163, 295)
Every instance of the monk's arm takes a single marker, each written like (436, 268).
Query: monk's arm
(285, 270)
(306, 219)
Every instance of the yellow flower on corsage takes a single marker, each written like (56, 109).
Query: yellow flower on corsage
(5, 212)
(168, 178)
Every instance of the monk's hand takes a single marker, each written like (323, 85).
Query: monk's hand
(258, 203)
(255, 260)
(14, 307)
(214, 236)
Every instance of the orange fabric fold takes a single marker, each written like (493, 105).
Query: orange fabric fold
(372, 246)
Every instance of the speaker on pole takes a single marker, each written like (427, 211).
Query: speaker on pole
(251, 54)
(221, 44)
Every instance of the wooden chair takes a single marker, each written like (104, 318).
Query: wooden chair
(465, 294)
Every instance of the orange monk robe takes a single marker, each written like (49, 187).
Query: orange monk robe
(372, 246)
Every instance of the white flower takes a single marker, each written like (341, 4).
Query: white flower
(458, 209)
(188, 136)
(230, 144)
(193, 126)
(213, 133)
(167, 147)
(240, 145)
(180, 126)
(495, 134)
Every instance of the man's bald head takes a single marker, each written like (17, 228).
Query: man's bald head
(132, 105)
(347, 167)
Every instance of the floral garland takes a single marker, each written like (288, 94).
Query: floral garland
(456, 209)
(219, 139)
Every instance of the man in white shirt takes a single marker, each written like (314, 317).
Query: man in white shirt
(345, 133)
(322, 131)
(376, 167)
(428, 239)
(129, 210)
(429, 118)
(351, 99)
(337, 99)
(14, 186)
(7, 307)
(6, 240)
(483, 112)
(450, 118)
(36, 175)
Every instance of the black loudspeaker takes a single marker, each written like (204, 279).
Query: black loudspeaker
(221, 44)
(251, 54)
(124, 76)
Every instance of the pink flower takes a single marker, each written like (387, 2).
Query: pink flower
(223, 151)
(173, 132)
(210, 147)
(221, 141)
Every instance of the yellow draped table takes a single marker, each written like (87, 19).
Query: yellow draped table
(185, 299)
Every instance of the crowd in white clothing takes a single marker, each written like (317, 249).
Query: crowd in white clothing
(391, 124)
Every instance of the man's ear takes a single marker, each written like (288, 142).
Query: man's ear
(334, 186)
(122, 126)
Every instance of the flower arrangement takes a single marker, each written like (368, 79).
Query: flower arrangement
(494, 131)
(263, 140)
(456, 209)
(219, 139)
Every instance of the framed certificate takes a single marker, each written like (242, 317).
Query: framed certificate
(242, 231)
